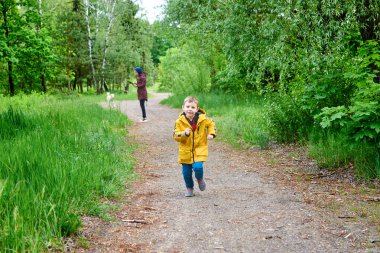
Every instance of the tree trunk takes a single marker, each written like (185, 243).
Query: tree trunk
(90, 44)
(96, 23)
(80, 81)
(43, 83)
(43, 80)
(10, 79)
(106, 41)
(68, 68)
(10, 64)
(75, 80)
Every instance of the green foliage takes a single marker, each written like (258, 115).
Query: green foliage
(327, 90)
(316, 61)
(362, 116)
(160, 44)
(331, 150)
(183, 70)
(289, 122)
(59, 160)
(48, 46)
(230, 82)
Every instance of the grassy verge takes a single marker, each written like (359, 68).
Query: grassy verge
(336, 150)
(58, 158)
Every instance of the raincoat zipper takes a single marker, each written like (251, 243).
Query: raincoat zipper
(198, 123)
(192, 151)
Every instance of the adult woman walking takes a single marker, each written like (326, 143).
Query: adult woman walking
(141, 90)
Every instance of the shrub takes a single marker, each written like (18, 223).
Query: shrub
(288, 121)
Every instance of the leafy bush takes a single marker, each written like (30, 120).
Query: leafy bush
(362, 116)
(229, 82)
(288, 121)
(183, 70)
(327, 90)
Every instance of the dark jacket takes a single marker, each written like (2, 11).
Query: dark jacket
(141, 87)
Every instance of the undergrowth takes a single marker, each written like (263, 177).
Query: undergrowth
(59, 156)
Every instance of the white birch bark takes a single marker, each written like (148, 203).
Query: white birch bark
(39, 27)
(86, 3)
(97, 23)
(40, 8)
(110, 21)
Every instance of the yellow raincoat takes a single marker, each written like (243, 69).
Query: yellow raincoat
(193, 148)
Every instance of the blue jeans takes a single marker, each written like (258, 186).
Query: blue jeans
(187, 172)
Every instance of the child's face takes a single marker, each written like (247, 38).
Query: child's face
(190, 108)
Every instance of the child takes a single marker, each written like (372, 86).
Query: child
(192, 130)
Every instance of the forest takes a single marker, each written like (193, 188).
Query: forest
(314, 64)
(272, 71)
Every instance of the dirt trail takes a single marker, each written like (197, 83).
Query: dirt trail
(244, 209)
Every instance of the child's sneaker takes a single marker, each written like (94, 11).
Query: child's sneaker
(144, 120)
(202, 184)
(189, 192)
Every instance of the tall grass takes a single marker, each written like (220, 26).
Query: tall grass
(336, 150)
(289, 122)
(58, 158)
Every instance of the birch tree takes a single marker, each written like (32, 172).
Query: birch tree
(39, 26)
(110, 20)
(89, 43)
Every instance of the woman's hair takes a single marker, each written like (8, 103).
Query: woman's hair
(191, 99)
(139, 70)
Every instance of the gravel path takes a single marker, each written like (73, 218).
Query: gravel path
(242, 210)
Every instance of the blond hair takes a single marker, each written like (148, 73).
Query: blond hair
(190, 99)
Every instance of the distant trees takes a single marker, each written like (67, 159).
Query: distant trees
(20, 43)
(274, 45)
(62, 45)
(311, 50)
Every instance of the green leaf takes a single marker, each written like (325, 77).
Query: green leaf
(319, 96)
(375, 126)
(338, 115)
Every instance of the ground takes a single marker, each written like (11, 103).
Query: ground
(256, 201)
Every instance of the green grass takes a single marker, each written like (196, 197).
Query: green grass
(330, 151)
(58, 158)
(336, 150)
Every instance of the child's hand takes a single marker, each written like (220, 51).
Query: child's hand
(187, 131)
(210, 137)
